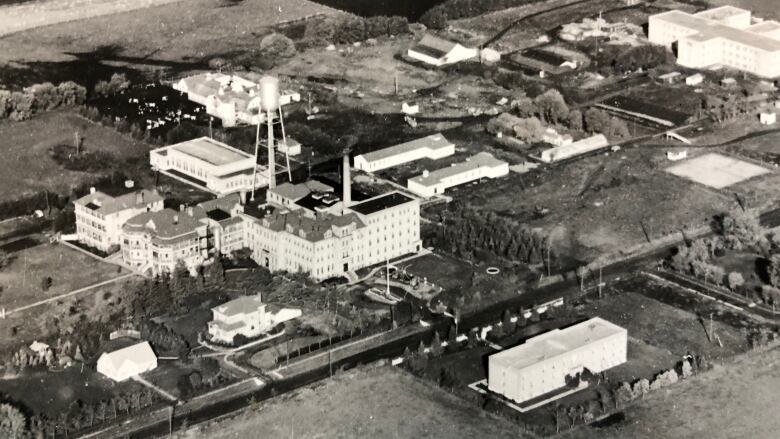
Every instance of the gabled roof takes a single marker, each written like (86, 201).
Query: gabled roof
(313, 228)
(140, 353)
(482, 159)
(434, 46)
(169, 223)
(106, 204)
(297, 191)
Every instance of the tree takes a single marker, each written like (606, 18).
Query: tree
(641, 387)
(46, 282)
(435, 18)
(5, 258)
(12, 422)
(277, 46)
(179, 284)
(447, 379)
(740, 230)
(214, 274)
(623, 394)
(436, 348)
(574, 120)
(774, 270)
(551, 106)
(735, 280)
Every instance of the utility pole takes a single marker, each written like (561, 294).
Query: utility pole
(211, 132)
(396, 84)
(548, 259)
(330, 361)
(601, 283)
(171, 408)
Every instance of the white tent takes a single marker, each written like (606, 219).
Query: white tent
(127, 362)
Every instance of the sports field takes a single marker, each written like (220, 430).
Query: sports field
(716, 170)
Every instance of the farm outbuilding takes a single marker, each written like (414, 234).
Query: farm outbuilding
(438, 51)
(124, 363)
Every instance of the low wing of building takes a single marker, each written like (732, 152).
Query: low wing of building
(481, 165)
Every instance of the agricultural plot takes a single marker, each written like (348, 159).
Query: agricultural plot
(716, 170)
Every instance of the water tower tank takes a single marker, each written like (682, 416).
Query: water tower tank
(269, 93)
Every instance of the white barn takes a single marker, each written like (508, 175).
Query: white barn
(439, 52)
(127, 362)
(541, 364)
(573, 149)
(433, 147)
(482, 165)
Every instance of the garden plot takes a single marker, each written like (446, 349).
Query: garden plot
(716, 170)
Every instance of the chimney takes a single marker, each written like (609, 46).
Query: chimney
(92, 190)
(176, 219)
(346, 182)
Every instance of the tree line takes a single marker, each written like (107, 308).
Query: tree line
(437, 16)
(22, 105)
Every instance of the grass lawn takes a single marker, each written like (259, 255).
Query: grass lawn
(62, 388)
(68, 268)
(446, 271)
(376, 403)
(735, 400)
(28, 166)
(159, 35)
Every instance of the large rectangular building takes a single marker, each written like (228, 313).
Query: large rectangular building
(433, 147)
(723, 36)
(100, 217)
(210, 164)
(541, 364)
(482, 165)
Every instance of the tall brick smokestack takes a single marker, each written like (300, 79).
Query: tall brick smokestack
(346, 182)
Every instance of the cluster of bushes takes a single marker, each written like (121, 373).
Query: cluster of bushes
(117, 84)
(624, 59)
(599, 121)
(123, 126)
(437, 17)
(347, 29)
(13, 423)
(163, 338)
(474, 235)
(208, 376)
(22, 105)
(87, 161)
(81, 415)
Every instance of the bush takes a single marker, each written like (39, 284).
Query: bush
(347, 29)
(46, 283)
(117, 84)
(277, 46)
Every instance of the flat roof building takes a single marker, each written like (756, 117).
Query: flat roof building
(723, 36)
(210, 165)
(482, 165)
(542, 363)
(433, 147)
(574, 149)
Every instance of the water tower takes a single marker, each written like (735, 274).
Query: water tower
(269, 102)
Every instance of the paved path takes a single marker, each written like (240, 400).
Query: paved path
(72, 293)
(422, 252)
(155, 388)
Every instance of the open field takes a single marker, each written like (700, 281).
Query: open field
(28, 165)
(595, 202)
(160, 35)
(377, 403)
(735, 400)
(68, 268)
(716, 170)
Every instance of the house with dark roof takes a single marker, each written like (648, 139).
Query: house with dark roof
(100, 217)
(438, 52)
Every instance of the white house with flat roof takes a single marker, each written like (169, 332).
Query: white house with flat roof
(723, 36)
(100, 217)
(541, 364)
(124, 363)
(210, 165)
(438, 51)
(482, 165)
(247, 316)
(433, 147)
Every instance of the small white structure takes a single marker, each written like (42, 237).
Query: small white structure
(247, 316)
(570, 64)
(676, 155)
(434, 147)
(439, 52)
(289, 146)
(669, 78)
(541, 364)
(580, 147)
(410, 109)
(728, 82)
(490, 55)
(482, 165)
(214, 165)
(694, 79)
(127, 362)
(767, 118)
(39, 348)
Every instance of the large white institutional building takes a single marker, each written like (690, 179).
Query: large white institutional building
(541, 364)
(726, 36)
(478, 166)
